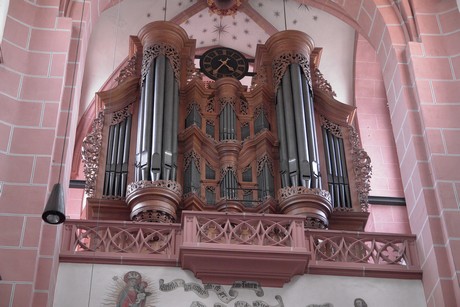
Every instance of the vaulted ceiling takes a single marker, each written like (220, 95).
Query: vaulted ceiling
(252, 24)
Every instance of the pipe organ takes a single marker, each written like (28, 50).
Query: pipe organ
(167, 141)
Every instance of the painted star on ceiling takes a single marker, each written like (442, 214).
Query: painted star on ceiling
(220, 28)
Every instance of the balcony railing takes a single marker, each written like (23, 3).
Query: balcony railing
(363, 254)
(237, 245)
(120, 242)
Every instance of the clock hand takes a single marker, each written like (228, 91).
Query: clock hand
(217, 69)
(223, 63)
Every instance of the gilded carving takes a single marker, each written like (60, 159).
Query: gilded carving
(91, 147)
(154, 51)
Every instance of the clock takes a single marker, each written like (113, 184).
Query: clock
(223, 62)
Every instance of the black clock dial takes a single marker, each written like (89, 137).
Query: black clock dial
(223, 62)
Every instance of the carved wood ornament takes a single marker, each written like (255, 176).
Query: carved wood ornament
(224, 128)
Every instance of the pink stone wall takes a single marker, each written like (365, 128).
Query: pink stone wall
(421, 79)
(374, 122)
(35, 98)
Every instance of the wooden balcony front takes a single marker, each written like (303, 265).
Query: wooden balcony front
(224, 247)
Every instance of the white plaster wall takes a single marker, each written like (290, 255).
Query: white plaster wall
(95, 285)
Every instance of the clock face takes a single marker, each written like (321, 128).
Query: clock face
(223, 62)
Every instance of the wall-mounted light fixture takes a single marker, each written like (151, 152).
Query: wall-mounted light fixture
(54, 212)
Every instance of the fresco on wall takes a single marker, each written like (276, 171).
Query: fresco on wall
(225, 296)
(134, 290)
(131, 290)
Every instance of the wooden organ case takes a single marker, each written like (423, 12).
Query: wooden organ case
(165, 141)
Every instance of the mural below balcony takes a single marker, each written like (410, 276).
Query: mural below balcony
(131, 290)
(134, 290)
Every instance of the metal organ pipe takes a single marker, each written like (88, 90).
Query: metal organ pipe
(175, 127)
(113, 158)
(282, 136)
(140, 127)
(146, 131)
(157, 124)
(124, 166)
(168, 121)
(302, 125)
(119, 158)
(108, 160)
(311, 133)
(291, 131)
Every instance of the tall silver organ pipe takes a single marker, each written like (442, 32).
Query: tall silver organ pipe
(297, 132)
(157, 130)
(311, 132)
(282, 136)
(116, 167)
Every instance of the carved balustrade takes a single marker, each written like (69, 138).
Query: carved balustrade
(120, 242)
(247, 229)
(223, 247)
(367, 254)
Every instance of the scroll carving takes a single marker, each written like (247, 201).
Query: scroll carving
(290, 191)
(281, 63)
(192, 156)
(154, 51)
(331, 127)
(227, 100)
(315, 223)
(153, 216)
(244, 107)
(260, 78)
(265, 159)
(322, 84)
(121, 115)
(192, 105)
(91, 148)
(168, 184)
(128, 71)
(362, 168)
(210, 106)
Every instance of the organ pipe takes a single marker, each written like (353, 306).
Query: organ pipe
(290, 131)
(301, 125)
(175, 127)
(282, 136)
(157, 123)
(124, 166)
(168, 122)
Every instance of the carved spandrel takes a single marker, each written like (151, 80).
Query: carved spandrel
(154, 51)
(281, 63)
